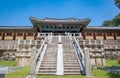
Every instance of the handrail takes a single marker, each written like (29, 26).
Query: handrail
(79, 52)
(38, 55)
(80, 55)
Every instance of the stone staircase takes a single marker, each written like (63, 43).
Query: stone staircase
(71, 63)
(49, 62)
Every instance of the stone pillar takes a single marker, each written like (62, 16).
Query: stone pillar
(32, 73)
(80, 34)
(89, 42)
(87, 62)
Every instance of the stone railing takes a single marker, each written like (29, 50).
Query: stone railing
(43, 35)
(74, 34)
(91, 42)
(79, 52)
(8, 44)
(28, 42)
(26, 45)
(8, 47)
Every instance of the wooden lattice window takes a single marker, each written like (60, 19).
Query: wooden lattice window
(30, 34)
(19, 34)
(99, 34)
(9, 34)
(89, 34)
(109, 34)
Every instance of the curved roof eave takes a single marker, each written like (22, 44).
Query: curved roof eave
(64, 21)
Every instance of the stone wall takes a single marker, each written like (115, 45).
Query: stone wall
(112, 54)
(8, 55)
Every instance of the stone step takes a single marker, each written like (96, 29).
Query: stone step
(68, 59)
(46, 73)
(50, 59)
(47, 68)
(72, 68)
(71, 65)
(47, 62)
(48, 65)
(72, 73)
(78, 70)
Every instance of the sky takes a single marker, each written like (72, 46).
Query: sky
(17, 12)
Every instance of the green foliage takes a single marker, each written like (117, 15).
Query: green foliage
(114, 22)
(117, 3)
(7, 63)
(107, 23)
(22, 73)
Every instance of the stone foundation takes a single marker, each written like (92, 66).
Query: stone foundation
(8, 55)
(112, 54)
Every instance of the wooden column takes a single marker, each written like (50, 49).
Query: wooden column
(3, 36)
(84, 35)
(35, 35)
(24, 36)
(14, 36)
(104, 35)
(114, 36)
(94, 35)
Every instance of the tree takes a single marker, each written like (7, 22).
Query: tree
(116, 20)
(107, 23)
(117, 3)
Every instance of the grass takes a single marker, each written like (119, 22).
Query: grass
(111, 62)
(18, 74)
(103, 74)
(7, 63)
(24, 72)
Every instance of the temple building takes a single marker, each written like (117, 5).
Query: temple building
(58, 26)
(63, 46)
